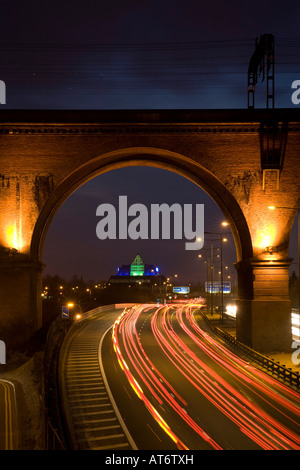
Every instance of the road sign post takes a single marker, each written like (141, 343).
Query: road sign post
(181, 290)
(65, 312)
(217, 287)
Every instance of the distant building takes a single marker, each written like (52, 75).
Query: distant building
(138, 272)
(138, 268)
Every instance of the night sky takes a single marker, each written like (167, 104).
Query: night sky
(164, 54)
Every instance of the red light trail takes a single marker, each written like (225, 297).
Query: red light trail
(184, 345)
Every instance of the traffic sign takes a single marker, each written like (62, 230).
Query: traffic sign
(216, 289)
(181, 290)
(65, 312)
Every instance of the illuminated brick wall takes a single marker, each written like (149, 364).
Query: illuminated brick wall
(46, 155)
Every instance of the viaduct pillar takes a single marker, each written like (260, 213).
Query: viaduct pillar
(20, 294)
(21, 199)
(264, 304)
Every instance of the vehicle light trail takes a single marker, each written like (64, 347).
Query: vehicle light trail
(234, 363)
(150, 376)
(252, 420)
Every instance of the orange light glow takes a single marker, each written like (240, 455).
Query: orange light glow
(13, 237)
(266, 238)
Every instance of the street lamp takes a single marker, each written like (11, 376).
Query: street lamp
(79, 314)
(222, 289)
(210, 271)
(207, 261)
(212, 276)
(222, 239)
(292, 209)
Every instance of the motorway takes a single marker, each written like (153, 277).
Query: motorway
(177, 386)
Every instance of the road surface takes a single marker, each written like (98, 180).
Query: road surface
(177, 386)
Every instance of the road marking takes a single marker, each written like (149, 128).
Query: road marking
(153, 432)
(9, 431)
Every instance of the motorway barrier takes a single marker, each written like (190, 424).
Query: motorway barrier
(274, 367)
(282, 372)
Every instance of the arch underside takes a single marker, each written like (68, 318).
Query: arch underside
(145, 156)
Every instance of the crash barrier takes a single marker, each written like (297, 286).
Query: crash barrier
(275, 368)
(103, 308)
(282, 372)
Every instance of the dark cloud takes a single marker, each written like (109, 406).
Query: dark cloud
(162, 54)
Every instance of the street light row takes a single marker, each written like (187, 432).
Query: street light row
(222, 239)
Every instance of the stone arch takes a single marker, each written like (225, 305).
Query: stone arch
(146, 156)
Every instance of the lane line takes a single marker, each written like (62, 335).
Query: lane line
(124, 427)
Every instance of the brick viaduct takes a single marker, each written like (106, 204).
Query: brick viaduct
(47, 155)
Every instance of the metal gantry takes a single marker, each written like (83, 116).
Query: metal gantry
(262, 64)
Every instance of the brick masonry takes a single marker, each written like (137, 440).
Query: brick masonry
(46, 155)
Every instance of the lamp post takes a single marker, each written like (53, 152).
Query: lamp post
(207, 261)
(224, 224)
(210, 273)
(293, 208)
(212, 277)
(222, 298)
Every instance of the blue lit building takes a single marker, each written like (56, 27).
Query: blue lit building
(138, 268)
(137, 272)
